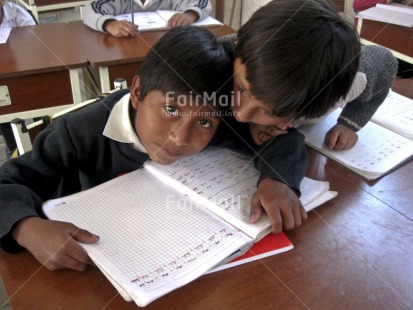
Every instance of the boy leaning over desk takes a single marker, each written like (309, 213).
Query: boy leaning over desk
(158, 119)
(299, 60)
(100, 14)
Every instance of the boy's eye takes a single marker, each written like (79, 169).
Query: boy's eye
(205, 123)
(171, 110)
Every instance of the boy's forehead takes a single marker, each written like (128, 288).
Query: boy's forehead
(240, 71)
(192, 99)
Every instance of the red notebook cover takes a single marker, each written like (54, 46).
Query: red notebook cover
(267, 246)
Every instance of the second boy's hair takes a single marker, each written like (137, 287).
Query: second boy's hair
(188, 60)
(301, 56)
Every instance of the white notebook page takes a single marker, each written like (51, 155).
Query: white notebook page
(149, 242)
(228, 181)
(378, 150)
(396, 114)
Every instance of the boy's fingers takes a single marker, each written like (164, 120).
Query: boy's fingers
(83, 236)
(256, 209)
(304, 215)
(331, 139)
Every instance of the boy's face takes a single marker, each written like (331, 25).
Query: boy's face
(249, 109)
(171, 129)
(246, 107)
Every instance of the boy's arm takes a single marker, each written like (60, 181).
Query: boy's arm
(283, 163)
(201, 7)
(54, 244)
(97, 13)
(27, 181)
(377, 71)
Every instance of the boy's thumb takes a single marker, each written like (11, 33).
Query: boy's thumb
(84, 236)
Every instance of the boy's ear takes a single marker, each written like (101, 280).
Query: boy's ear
(135, 92)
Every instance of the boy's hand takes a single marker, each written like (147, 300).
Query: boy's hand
(54, 244)
(121, 28)
(340, 137)
(282, 205)
(183, 19)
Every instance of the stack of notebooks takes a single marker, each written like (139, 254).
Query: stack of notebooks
(162, 227)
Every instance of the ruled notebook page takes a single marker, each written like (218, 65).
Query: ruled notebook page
(396, 114)
(378, 150)
(152, 239)
(222, 180)
(225, 182)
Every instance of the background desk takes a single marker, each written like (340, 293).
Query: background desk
(119, 57)
(41, 70)
(398, 39)
(354, 252)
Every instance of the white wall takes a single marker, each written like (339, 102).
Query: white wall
(237, 12)
(249, 7)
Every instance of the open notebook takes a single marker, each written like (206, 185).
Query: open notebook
(158, 20)
(383, 144)
(161, 227)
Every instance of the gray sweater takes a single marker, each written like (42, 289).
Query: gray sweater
(377, 71)
(96, 13)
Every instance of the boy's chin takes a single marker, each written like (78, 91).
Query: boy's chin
(165, 159)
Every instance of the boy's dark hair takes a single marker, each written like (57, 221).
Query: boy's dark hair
(189, 60)
(301, 56)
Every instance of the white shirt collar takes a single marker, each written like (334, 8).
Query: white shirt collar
(119, 126)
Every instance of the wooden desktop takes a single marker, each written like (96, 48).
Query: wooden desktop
(119, 57)
(40, 70)
(397, 38)
(354, 252)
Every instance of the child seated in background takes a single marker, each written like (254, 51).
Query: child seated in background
(297, 61)
(85, 148)
(100, 14)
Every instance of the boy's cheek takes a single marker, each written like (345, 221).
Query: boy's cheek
(257, 133)
(200, 141)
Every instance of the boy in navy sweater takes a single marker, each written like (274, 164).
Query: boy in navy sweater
(161, 119)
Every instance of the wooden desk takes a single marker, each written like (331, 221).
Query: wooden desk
(396, 38)
(119, 57)
(38, 64)
(354, 252)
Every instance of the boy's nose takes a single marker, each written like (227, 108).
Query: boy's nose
(180, 133)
